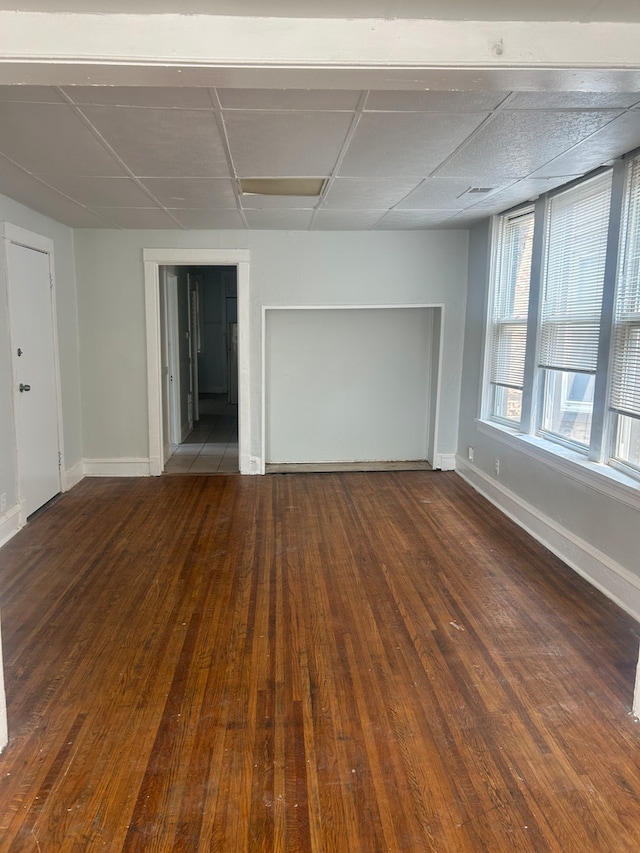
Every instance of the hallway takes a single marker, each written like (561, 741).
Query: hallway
(212, 445)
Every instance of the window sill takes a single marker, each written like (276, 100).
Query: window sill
(603, 478)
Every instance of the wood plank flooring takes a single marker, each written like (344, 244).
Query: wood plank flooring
(313, 662)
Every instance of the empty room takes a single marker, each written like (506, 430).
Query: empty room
(319, 426)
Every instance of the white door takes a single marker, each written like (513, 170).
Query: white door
(35, 394)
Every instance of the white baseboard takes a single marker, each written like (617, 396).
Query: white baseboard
(124, 467)
(10, 523)
(72, 476)
(444, 462)
(614, 580)
(251, 465)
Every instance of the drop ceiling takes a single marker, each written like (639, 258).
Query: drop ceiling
(159, 131)
(169, 157)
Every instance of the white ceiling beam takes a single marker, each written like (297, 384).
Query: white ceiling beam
(133, 49)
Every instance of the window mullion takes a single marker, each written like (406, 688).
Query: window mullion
(530, 381)
(599, 448)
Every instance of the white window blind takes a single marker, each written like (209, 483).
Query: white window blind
(511, 299)
(625, 374)
(574, 276)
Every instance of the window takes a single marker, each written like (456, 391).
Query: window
(625, 357)
(573, 283)
(575, 290)
(509, 314)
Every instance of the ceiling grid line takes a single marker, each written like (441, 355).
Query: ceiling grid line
(159, 156)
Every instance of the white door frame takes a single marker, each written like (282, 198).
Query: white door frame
(193, 287)
(171, 304)
(15, 234)
(153, 260)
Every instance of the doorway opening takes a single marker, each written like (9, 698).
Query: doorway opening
(249, 420)
(199, 352)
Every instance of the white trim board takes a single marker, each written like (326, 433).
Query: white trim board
(612, 579)
(444, 462)
(124, 467)
(72, 476)
(10, 524)
(153, 260)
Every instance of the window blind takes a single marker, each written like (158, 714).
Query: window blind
(625, 373)
(574, 276)
(511, 299)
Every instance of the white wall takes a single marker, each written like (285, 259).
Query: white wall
(68, 342)
(286, 268)
(594, 532)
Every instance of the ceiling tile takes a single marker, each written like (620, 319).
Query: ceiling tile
(434, 101)
(209, 219)
(31, 94)
(8, 167)
(163, 143)
(441, 193)
(519, 192)
(346, 220)
(402, 144)
(36, 195)
(137, 217)
(414, 219)
(289, 99)
(516, 143)
(622, 135)
(192, 192)
(52, 138)
(571, 100)
(354, 193)
(289, 220)
(141, 96)
(103, 192)
(285, 144)
(464, 219)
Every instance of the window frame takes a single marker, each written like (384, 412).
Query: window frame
(596, 460)
(499, 225)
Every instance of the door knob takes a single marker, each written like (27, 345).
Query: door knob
(24, 387)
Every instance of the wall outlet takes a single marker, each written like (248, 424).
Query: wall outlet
(497, 467)
(470, 454)
(3, 502)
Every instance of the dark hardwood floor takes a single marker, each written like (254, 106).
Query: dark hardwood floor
(328, 662)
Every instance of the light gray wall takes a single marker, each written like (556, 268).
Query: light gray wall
(606, 524)
(348, 385)
(68, 342)
(286, 268)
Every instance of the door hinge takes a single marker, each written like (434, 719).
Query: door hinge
(51, 280)
(59, 460)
